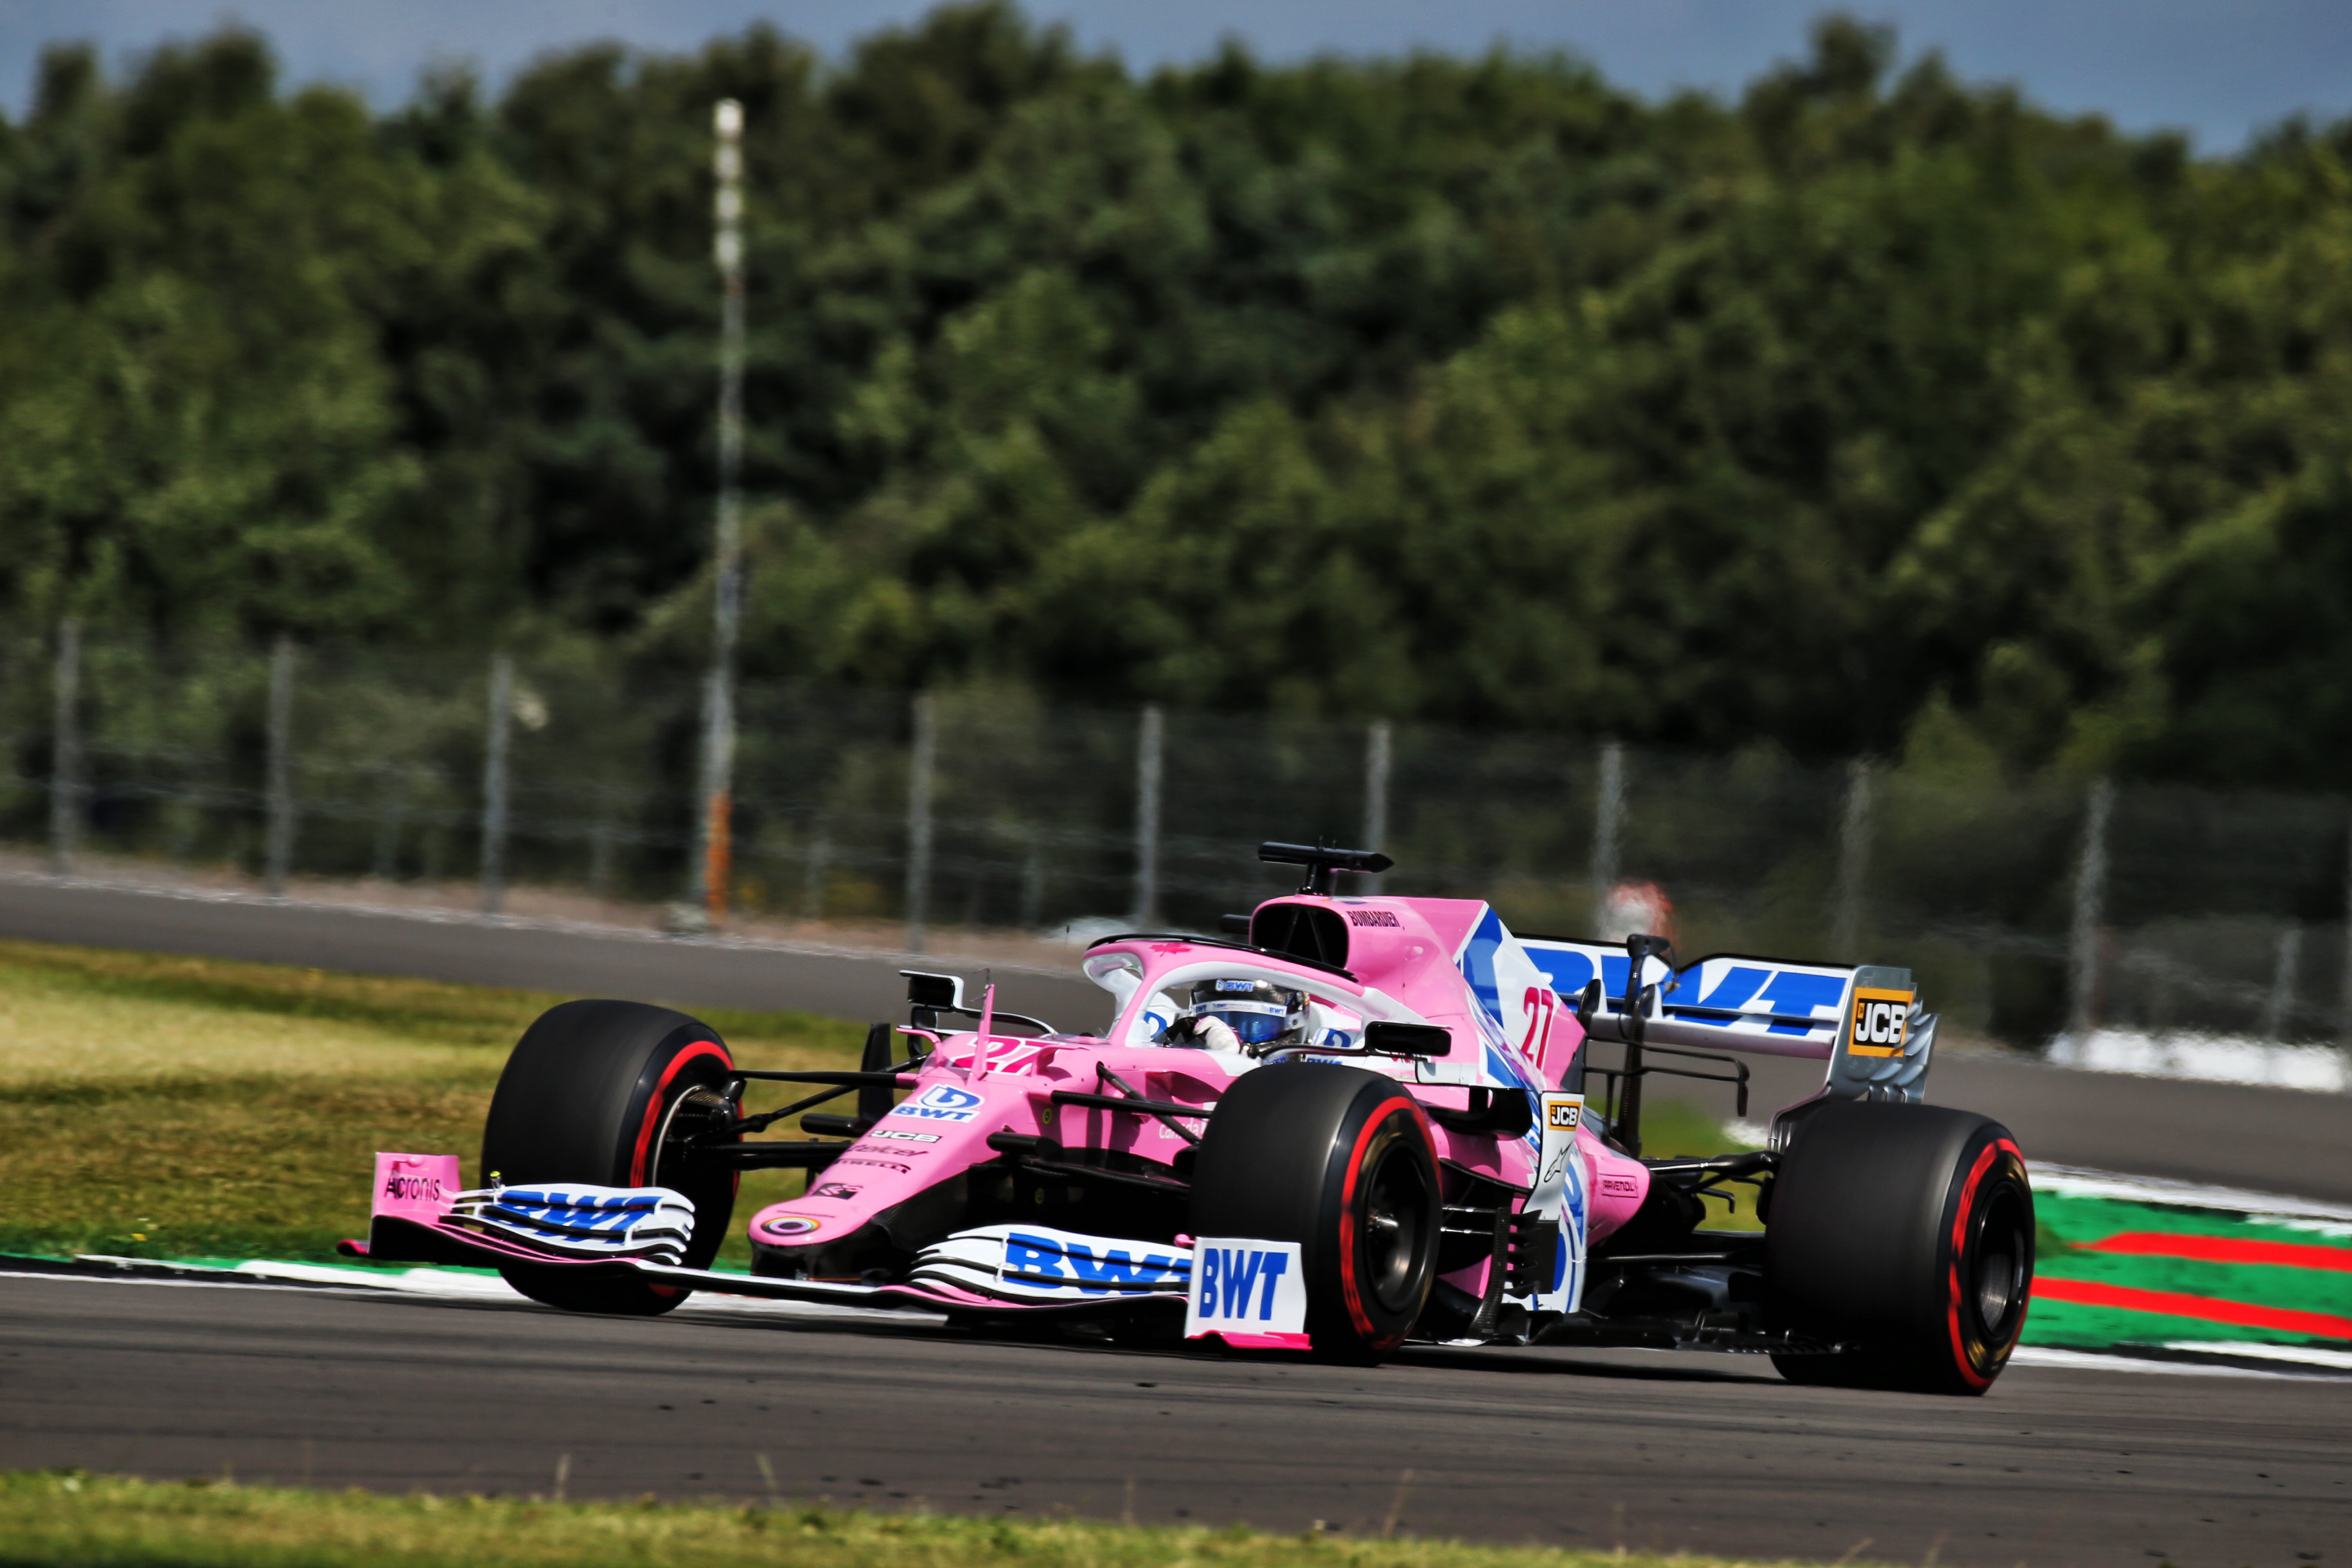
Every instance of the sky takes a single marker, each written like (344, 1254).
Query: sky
(2218, 70)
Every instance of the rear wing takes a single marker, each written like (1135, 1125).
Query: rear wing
(1864, 1020)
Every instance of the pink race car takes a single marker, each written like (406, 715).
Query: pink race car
(1352, 1123)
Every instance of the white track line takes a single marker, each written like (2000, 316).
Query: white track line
(2101, 1361)
(445, 1284)
(426, 915)
(2074, 1182)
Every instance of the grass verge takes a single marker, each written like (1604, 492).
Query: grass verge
(165, 1107)
(67, 1520)
(155, 1106)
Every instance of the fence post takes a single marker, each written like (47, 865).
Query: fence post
(919, 819)
(2343, 1026)
(494, 784)
(2284, 974)
(65, 752)
(1032, 881)
(1853, 862)
(1146, 820)
(1608, 825)
(814, 866)
(280, 783)
(1376, 791)
(600, 846)
(388, 823)
(2090, 916)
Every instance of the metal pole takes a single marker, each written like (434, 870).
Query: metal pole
(2285, 972)
(1147, 819)
(281, 765)
(919, 819)
(815, 867)
(600, 846)
(710, 870)
(1032, 882)
(494, 784)
(65, 753)
(2089, 915)
(1853, 862)
(1376, 791)
(2343, 1026)
(1608, 824)
(388, 823)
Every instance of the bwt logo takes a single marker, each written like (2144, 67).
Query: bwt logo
(1257, 1287)
(941, 1102)
(1042, 1260)
(1230, 1275)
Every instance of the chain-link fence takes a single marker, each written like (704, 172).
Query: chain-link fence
(2028, 907)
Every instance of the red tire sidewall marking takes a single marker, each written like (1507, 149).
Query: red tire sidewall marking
(693, 1052)
(1349, 1289)
(660, 1097)
(1985, 1161)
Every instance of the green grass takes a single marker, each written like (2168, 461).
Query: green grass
(165, 1107)
(67, 1520)
(153, 1106)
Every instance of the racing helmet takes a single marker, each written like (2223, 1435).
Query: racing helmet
(1259, 1012)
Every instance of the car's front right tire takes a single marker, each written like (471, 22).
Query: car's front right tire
(1340, 1160)
(610, 1093)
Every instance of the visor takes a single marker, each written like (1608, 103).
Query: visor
(1254, 1023)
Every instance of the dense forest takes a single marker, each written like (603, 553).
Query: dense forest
(1874, 411)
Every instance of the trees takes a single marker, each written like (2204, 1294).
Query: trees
(1415, 386)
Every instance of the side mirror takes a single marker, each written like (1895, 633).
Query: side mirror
(1408, 1040)
(1233, 925)
(943, 991)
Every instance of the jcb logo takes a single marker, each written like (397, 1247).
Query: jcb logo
(1564, 1115)
(1881, 1021)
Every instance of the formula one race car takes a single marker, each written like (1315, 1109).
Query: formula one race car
(1347, 1124)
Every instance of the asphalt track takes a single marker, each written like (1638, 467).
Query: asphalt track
(2275, 1141)
(1591, 1450)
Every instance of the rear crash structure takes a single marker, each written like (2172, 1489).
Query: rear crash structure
(1348, 1124)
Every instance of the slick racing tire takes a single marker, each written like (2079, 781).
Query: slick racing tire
(1340, 1160)
(1905, 1233)
(609, 1093)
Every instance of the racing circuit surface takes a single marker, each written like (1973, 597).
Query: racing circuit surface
(1575, 1448)
(2275, 1141)
(337, 1387)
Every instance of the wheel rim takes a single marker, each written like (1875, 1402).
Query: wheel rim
(1995, 1283)
(1395, 1227)
(697, 1111)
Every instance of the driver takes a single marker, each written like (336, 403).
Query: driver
(1235, 1015)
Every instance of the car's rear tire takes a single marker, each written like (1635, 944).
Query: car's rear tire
(608, 1092)
(1340, 1160)
(1905, 1231)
